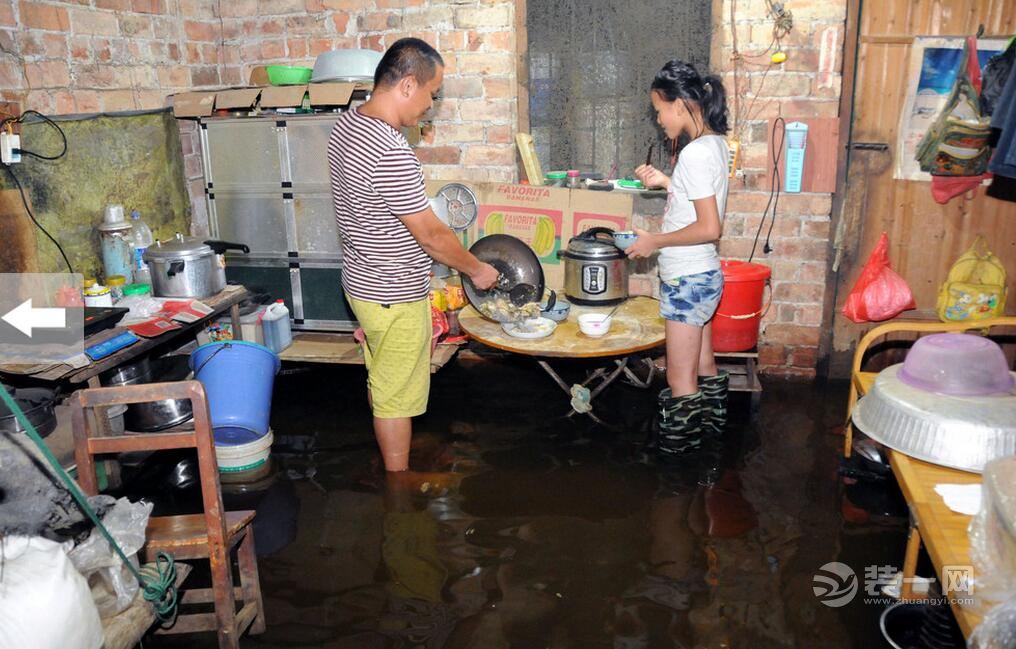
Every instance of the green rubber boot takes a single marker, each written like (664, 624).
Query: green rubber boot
(714, 391)
(680, 422)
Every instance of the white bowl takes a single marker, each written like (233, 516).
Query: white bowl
(594, 324)
(346, 65)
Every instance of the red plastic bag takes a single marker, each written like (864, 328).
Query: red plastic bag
(879, 293)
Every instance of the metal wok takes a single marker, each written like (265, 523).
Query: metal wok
(520, 282)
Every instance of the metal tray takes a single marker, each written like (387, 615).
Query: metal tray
(958, 432)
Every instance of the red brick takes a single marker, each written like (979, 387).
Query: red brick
(31, 44)
(201, 31)
(117, 100)
(232, 75)
(36, 16)
(275, 7)
(486, 110)
(341, 22)
(48, 74)
(803, 357)
(346, 5)
(205, 76)
(149, 6)
(173, 52)
(790, 334)
(398, 4)
(498, 88)
(115, 5)
(500, 135)
(807, 204)
(809, 314)
(239, 8)
(376, 42)
(136, 26)
(193, 53)
(816, 229)
(772, 354)
(10, 75)
(750, 202)
(439, 155)
(86, 101)
(273, 49)
(297, 47)
(802, 249)
(173, 76)
(462, 87)
(812, 272)
(7, 14)
(299, 25)
(103, 50)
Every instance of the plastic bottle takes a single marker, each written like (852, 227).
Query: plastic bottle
(277, 331)
(141, 238)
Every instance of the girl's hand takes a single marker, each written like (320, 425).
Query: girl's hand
(644, 246)
(651, 177)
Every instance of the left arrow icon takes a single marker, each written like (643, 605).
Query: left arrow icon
(25, 318)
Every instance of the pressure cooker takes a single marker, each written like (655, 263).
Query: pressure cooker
(188, 266)
(595, 270)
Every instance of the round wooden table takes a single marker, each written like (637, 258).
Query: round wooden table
(635, 327)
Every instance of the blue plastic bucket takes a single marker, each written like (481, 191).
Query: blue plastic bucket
(238, 378)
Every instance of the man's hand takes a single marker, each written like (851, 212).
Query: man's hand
(485, 277)
(644, 246)
(651, 177)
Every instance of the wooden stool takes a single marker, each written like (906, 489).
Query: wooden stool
(211, 535)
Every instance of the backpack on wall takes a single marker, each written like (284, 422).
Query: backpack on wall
(975, 287)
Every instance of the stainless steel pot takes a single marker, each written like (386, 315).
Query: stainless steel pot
(188, 266)
(155, 415)
(38, 404)
(595, 270)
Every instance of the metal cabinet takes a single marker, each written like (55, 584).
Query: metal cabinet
(267, 185)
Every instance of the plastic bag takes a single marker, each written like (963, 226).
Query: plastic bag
(44, 601)
(993, 553)
(113, 585)
(879, 293)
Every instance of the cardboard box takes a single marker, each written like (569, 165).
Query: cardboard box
(291, 98)
(237, 99)
(543, 217)
(193, 104)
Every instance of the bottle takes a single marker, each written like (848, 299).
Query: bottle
(573, 178)
(116, 284)
(141, 238)
(98, 295)
(277, 331)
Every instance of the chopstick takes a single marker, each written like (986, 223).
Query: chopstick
(649, 156)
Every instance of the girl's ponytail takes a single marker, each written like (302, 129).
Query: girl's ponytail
(714, 104)
(681, 81)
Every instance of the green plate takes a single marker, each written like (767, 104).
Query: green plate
(630, 184)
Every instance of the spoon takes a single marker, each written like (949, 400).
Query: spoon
(616, 307)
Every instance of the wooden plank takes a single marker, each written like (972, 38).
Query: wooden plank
(342, 349)
(943, 531)
(925, 237)
(18, 233)
(125, 630)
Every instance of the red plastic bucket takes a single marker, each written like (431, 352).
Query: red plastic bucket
(735, 325)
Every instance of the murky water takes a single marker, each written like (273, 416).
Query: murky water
(520, 529)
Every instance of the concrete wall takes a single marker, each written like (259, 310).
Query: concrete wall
(90, 55)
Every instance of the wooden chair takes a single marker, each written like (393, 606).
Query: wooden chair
(861, 382)
(211, 535)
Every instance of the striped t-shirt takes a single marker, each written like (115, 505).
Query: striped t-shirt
(376, 178)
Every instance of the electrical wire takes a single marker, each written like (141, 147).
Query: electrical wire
(774, 187)
(24, 200)
(7, 125)
(21, 119)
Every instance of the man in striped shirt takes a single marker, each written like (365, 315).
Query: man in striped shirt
(390, 236)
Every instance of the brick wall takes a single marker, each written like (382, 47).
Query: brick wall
(806, 85)
(108, 55)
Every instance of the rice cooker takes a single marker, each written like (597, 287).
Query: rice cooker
(188, 266)
(595, 270)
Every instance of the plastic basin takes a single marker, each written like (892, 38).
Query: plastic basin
(286, 75)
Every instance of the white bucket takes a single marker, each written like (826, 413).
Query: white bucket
(244, 457)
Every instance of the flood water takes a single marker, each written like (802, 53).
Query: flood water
(518, 528)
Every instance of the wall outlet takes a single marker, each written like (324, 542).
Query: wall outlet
(10, 145)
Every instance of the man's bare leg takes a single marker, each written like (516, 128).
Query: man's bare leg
(394, 436)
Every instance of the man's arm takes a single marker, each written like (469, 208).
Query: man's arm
(438, 241)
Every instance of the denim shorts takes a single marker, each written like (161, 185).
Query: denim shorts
(691, 299)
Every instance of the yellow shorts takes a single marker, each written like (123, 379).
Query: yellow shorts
(397, 355)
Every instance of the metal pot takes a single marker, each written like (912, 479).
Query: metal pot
(155, 415)
(595, 270)
(520, 283)
(38, 406)
(188, 266)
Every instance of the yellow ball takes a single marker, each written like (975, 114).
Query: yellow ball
(778, 57)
